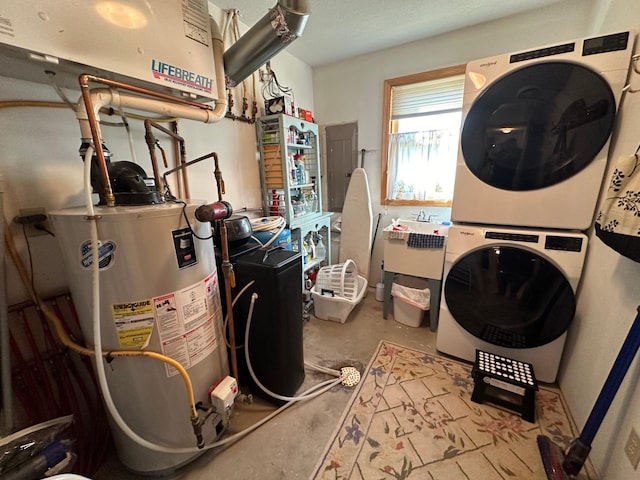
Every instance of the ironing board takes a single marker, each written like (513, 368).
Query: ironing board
(357, 223)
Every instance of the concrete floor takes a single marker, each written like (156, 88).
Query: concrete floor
(288, 446)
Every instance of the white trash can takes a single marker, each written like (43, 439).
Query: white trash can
(411, 297)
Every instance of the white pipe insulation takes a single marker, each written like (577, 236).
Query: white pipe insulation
(103, 97)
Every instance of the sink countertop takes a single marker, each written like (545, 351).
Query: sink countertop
(415, 226)
(419, 262)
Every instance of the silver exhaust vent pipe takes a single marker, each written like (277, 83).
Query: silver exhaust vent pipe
(278, 28)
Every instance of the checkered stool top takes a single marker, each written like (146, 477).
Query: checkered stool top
(506, 369)
(507, 375)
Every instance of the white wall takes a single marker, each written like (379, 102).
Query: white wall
(351, 91)
(41, 167)
(608, 298)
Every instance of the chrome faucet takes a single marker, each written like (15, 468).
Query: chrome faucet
(423, 217)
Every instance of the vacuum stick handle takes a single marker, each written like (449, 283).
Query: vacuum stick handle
(579, 449)
(616, 375)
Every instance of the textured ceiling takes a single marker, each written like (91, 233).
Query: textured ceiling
(339, 29)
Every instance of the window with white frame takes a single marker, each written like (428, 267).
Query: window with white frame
(420, 137)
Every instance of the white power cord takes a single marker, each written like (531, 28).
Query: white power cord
(310, 365)
(348, 376)
(226, 317)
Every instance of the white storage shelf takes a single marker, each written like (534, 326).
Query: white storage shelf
(290, 168)
(290, 174)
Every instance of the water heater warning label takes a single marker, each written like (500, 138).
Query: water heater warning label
(134, 323)
(186, 321)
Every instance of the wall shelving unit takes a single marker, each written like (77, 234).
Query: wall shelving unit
(290, 174)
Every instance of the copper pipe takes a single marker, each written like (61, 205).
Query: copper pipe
(180, 151)
(165, 163)
(165, 130)
(188, 164)
(84, 80)
(245, 106)
(93, 125)
(182, 166)
(177, 159)
(227, 271)
(151, 143)
(183, 162)
(218, 174)
(229, 283)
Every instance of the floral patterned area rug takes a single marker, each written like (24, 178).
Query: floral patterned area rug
(412, 417)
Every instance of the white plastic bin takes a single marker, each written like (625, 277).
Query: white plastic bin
(336, 308)
(411, 297)
(340, 280)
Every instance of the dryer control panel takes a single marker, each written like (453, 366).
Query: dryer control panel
(607, 43)
(590, 46)
(551, 242)
(569, 244)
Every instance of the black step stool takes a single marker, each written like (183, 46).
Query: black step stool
(505, 382)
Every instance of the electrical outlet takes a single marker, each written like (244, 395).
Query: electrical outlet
(30, 217)
(632, 448)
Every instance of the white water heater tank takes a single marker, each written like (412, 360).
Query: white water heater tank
(158, 291)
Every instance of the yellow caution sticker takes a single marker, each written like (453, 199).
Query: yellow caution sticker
(133, 322)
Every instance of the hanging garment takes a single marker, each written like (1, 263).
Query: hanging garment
(618, 220)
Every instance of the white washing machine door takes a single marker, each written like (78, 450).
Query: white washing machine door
(509, 296)
(538, 125)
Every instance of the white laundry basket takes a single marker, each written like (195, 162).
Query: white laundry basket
(340, 280)
(336, 308)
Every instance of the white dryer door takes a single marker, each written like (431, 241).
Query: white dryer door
(509, 296)
(538, 126)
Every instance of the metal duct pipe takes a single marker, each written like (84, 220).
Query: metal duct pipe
(278, 28)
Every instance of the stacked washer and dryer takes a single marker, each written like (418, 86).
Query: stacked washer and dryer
(532, 158)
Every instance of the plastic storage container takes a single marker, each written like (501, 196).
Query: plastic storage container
(334, 307)
(283, 240)
(411, 297)
(340, 280)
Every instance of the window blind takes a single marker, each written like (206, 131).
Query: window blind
(423, 98)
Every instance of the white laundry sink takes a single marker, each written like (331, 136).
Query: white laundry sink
(425, 227)
(419, 262)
